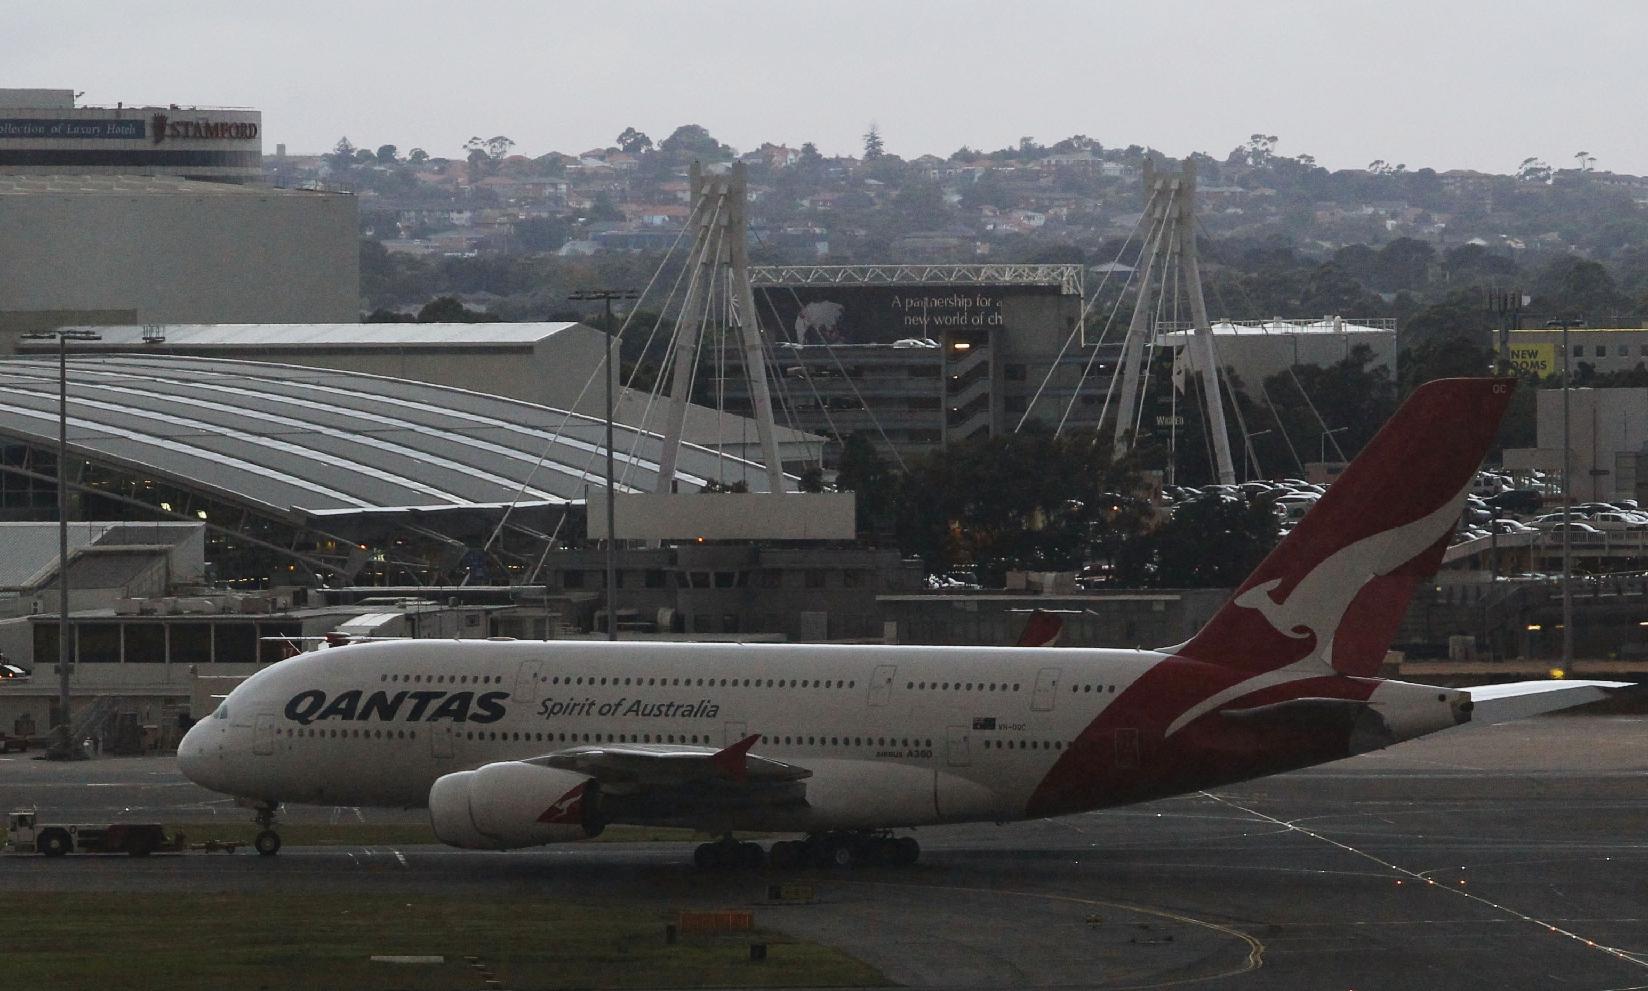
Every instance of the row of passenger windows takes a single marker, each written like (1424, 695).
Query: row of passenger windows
(921, 686)
(705, 682)
(970, 686)
(334, 733)
(693, 739)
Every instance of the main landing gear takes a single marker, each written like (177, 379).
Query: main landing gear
(820, 850)
(267, 841)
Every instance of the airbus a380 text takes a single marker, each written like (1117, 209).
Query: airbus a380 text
(520, 743)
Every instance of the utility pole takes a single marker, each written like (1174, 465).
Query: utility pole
(64, 748)
(1507, 304)
(1567, 496)
(611, 372)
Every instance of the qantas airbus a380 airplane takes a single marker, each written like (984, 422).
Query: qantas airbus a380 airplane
(521, 743)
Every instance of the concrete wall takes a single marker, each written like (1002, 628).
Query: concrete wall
(246, 257)
(1609, 430)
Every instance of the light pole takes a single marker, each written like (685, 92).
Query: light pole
(64, 748)
(1247, 451)
(607, 296)
(1567, 497)
(1322, 448)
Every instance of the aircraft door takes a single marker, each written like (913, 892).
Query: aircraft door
(958, 742)
(440, 741)
(528, 677)
(881, 684)
(1127, 749)
(733, 732)
(263, 736)
(1047, 689)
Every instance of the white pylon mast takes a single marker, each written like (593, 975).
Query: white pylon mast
(719, 256)
(1171, 215)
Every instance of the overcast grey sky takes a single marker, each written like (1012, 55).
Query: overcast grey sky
(1438, 83)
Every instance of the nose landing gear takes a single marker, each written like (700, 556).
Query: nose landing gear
(267, 842)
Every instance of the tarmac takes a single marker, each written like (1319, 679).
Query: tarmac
(1513, 856)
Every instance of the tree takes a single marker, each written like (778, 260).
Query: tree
(417, 156)
(386, 154)
(342, 155)
(1214, 541)
(447, 309)
(862, 471)
(633, 142)
(873, 148)
(691, 141)
(1533, 170)
(364, 156)
(1586, 160)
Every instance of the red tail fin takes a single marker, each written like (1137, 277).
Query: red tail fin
(1338, 585)
(1041, 629)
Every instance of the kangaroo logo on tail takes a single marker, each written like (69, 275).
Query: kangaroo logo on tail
(1317, 604)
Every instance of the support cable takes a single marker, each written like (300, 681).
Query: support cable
(1153, 245)
(1081, 321)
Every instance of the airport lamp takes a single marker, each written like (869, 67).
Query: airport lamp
(64, 748)
(607, 296)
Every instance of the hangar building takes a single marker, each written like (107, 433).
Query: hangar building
(322, 473)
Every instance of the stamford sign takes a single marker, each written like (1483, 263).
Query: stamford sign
(203, 130)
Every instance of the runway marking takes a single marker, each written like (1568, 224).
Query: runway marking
(1418, 876)
(1255, 948)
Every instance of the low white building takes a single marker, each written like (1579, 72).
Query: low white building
(1608, 431)
(1257, 349)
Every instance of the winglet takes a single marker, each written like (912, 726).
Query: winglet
(733, 758)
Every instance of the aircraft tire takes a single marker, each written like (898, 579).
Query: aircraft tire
(906, 851)
(267, 843)
(787, 854)
(749, 856)
(842, 852)
(706, 857)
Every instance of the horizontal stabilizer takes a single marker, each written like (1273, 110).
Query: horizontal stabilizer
(1307, 712)
(1520, 699)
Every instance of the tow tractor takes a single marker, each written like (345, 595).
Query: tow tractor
(26, 834)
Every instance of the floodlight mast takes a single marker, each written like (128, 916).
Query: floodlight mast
(63, 748)
(607, 296)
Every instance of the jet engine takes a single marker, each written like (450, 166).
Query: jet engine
(512, 804)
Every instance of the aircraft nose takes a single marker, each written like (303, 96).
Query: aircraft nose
(191, 754)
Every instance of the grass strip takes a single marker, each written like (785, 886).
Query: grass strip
(273, 942)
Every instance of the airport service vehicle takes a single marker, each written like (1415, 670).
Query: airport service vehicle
(26, 834)
(518, 744)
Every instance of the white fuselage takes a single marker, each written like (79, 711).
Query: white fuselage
(892, 736)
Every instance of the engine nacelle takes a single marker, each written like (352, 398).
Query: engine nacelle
(512, 804)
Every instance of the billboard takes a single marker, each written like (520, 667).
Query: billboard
(882, 314)
(1533, 359)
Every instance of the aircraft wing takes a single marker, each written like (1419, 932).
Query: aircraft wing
(640, 765)
(1520, 699)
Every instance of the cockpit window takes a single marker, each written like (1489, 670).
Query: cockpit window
(222, 712)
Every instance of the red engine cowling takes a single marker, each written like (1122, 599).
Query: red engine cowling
(512, 804)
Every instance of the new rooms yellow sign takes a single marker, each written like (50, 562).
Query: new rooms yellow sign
(1533, 359)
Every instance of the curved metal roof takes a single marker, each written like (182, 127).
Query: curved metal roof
(290, 438)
